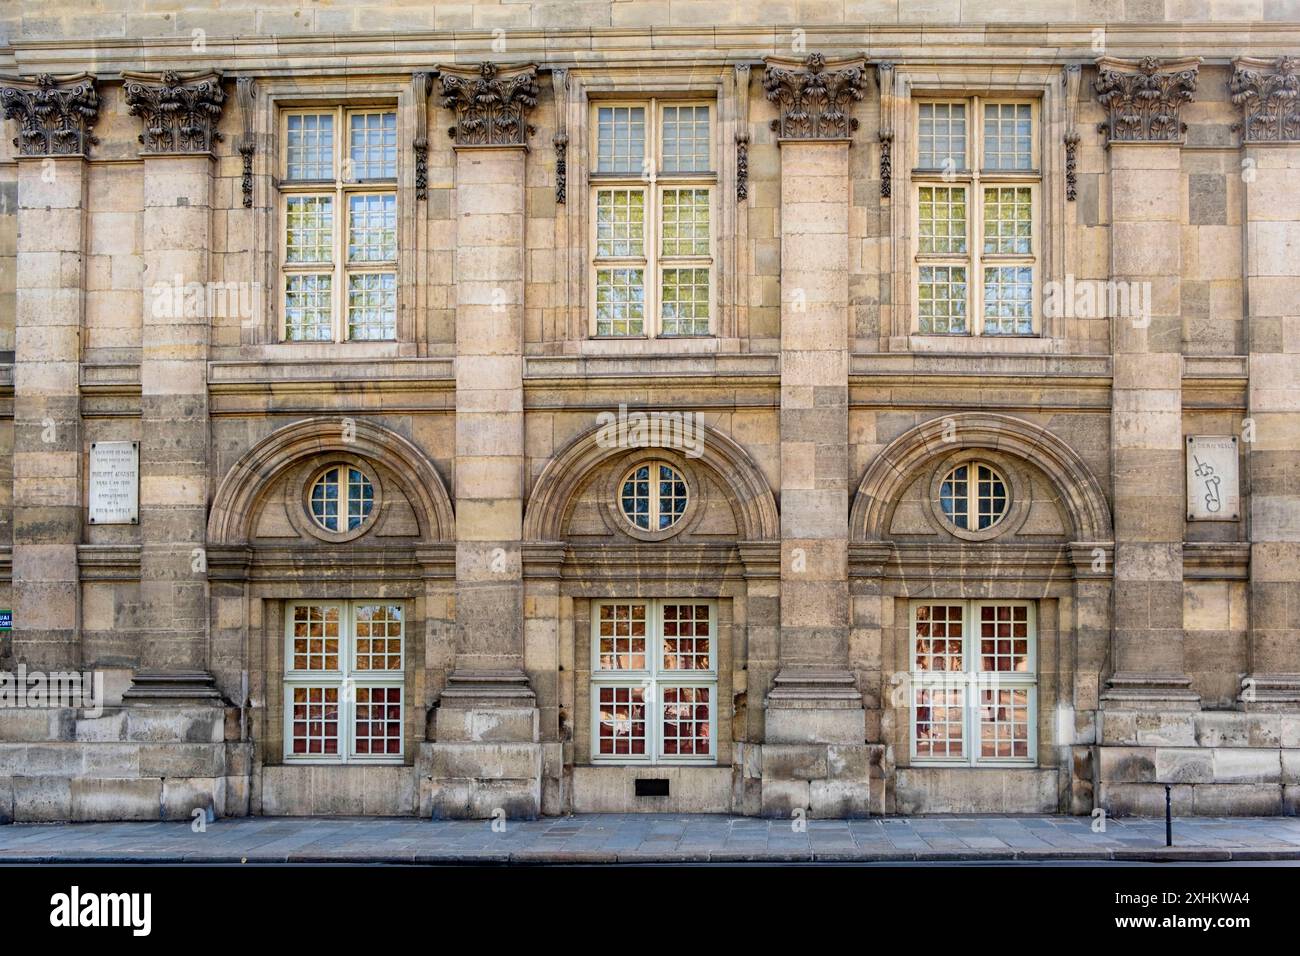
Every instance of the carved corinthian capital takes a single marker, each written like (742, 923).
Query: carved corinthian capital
(491, 103)
(1268, 92)
(180, 112)
(1142, 98)
(54, 115)
(814, 96)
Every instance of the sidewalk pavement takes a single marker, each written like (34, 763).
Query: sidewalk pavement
(652, 838)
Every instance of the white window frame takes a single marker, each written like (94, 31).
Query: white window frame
(972, 466)
(652, 678)
(974, 179)
(652, 181)
(340, 189)
(346, 678)
(655, 499)
(971, 683)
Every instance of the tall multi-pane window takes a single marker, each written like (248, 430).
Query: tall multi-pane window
(343, 681)
(652, 234)
(654, 681)
(338, 188)
(976, 194)
(974, 684)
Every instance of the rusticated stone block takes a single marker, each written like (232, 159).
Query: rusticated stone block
(1128, 764)
(116, 798)
(795, 761)
(1184, 766)
(782, 798)
(1247, 766)
(181, 796)
(1144, 800)
(1241, 800)
(42, 799)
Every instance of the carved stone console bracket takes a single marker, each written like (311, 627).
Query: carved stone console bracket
(814, 96)
(1143, 98)
(1071, 76)
(55, 115)
(560, 86)
(180, 112)
(1268, 92)
(244, 95)
(421, 85)
(742, 131)
(491, 103)
(885, 77)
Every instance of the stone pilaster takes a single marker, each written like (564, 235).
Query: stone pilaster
(55, 118)
(815, 697)
(487, 715)
(1267, 92)
(178, 115)
(1144, 136)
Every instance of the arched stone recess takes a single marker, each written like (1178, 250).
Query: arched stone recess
(243, 491)
(1052, 552)
(900, 463)
(265, 554)
(579, 551)
(731, 469)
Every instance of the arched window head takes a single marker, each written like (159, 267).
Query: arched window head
(973, 496)
(653, 496)
(341, 498)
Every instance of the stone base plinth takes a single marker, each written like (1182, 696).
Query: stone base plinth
(479, 781)
(1151, 692)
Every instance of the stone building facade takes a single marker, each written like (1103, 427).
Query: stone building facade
(531, 407)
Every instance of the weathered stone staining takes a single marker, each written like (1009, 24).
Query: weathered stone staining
(405, 541)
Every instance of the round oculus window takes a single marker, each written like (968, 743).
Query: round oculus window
(973, 496)
(342, 498)
(653, 496)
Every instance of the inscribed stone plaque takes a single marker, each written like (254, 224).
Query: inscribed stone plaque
(114, 482)
(1213, 493)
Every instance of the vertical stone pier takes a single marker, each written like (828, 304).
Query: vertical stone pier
(488, 757)
(47, 468)
(179, 115)
(1144, 139)
(814, 753)
(1271, 172)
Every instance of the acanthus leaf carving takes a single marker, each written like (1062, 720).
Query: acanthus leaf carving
(55, 115)
(1143, 98)
(1268, 92)
(180, 113)
(245, 93)
(491, 104)
(814, 97)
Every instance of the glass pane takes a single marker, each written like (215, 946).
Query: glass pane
(620, 222)
(341, 499)
(622, 634)
(620, 139)
(686, 222)
(938, 720)
(942, 138)
(1004, 722)
(942, 219)
(621, 721)
(1008, 140)
(377, 726)
(938, 638)
(942, 299)
(308, 307)
(686, 638)
(1008, 220)
(1009, 300)
(309, 229)
(684, 301)
(685, 139)
(372, 227)
(620, 301)
(372, 145)
(314, 716)
(685, 730)
(1004, 638)
(310, 146)
(315, 638)
(372, 306)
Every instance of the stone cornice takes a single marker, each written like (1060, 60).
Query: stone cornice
(55, 115)
(1143, 98)
(1268, 92)
(491, 103)
(179, 111)
(814, 97)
